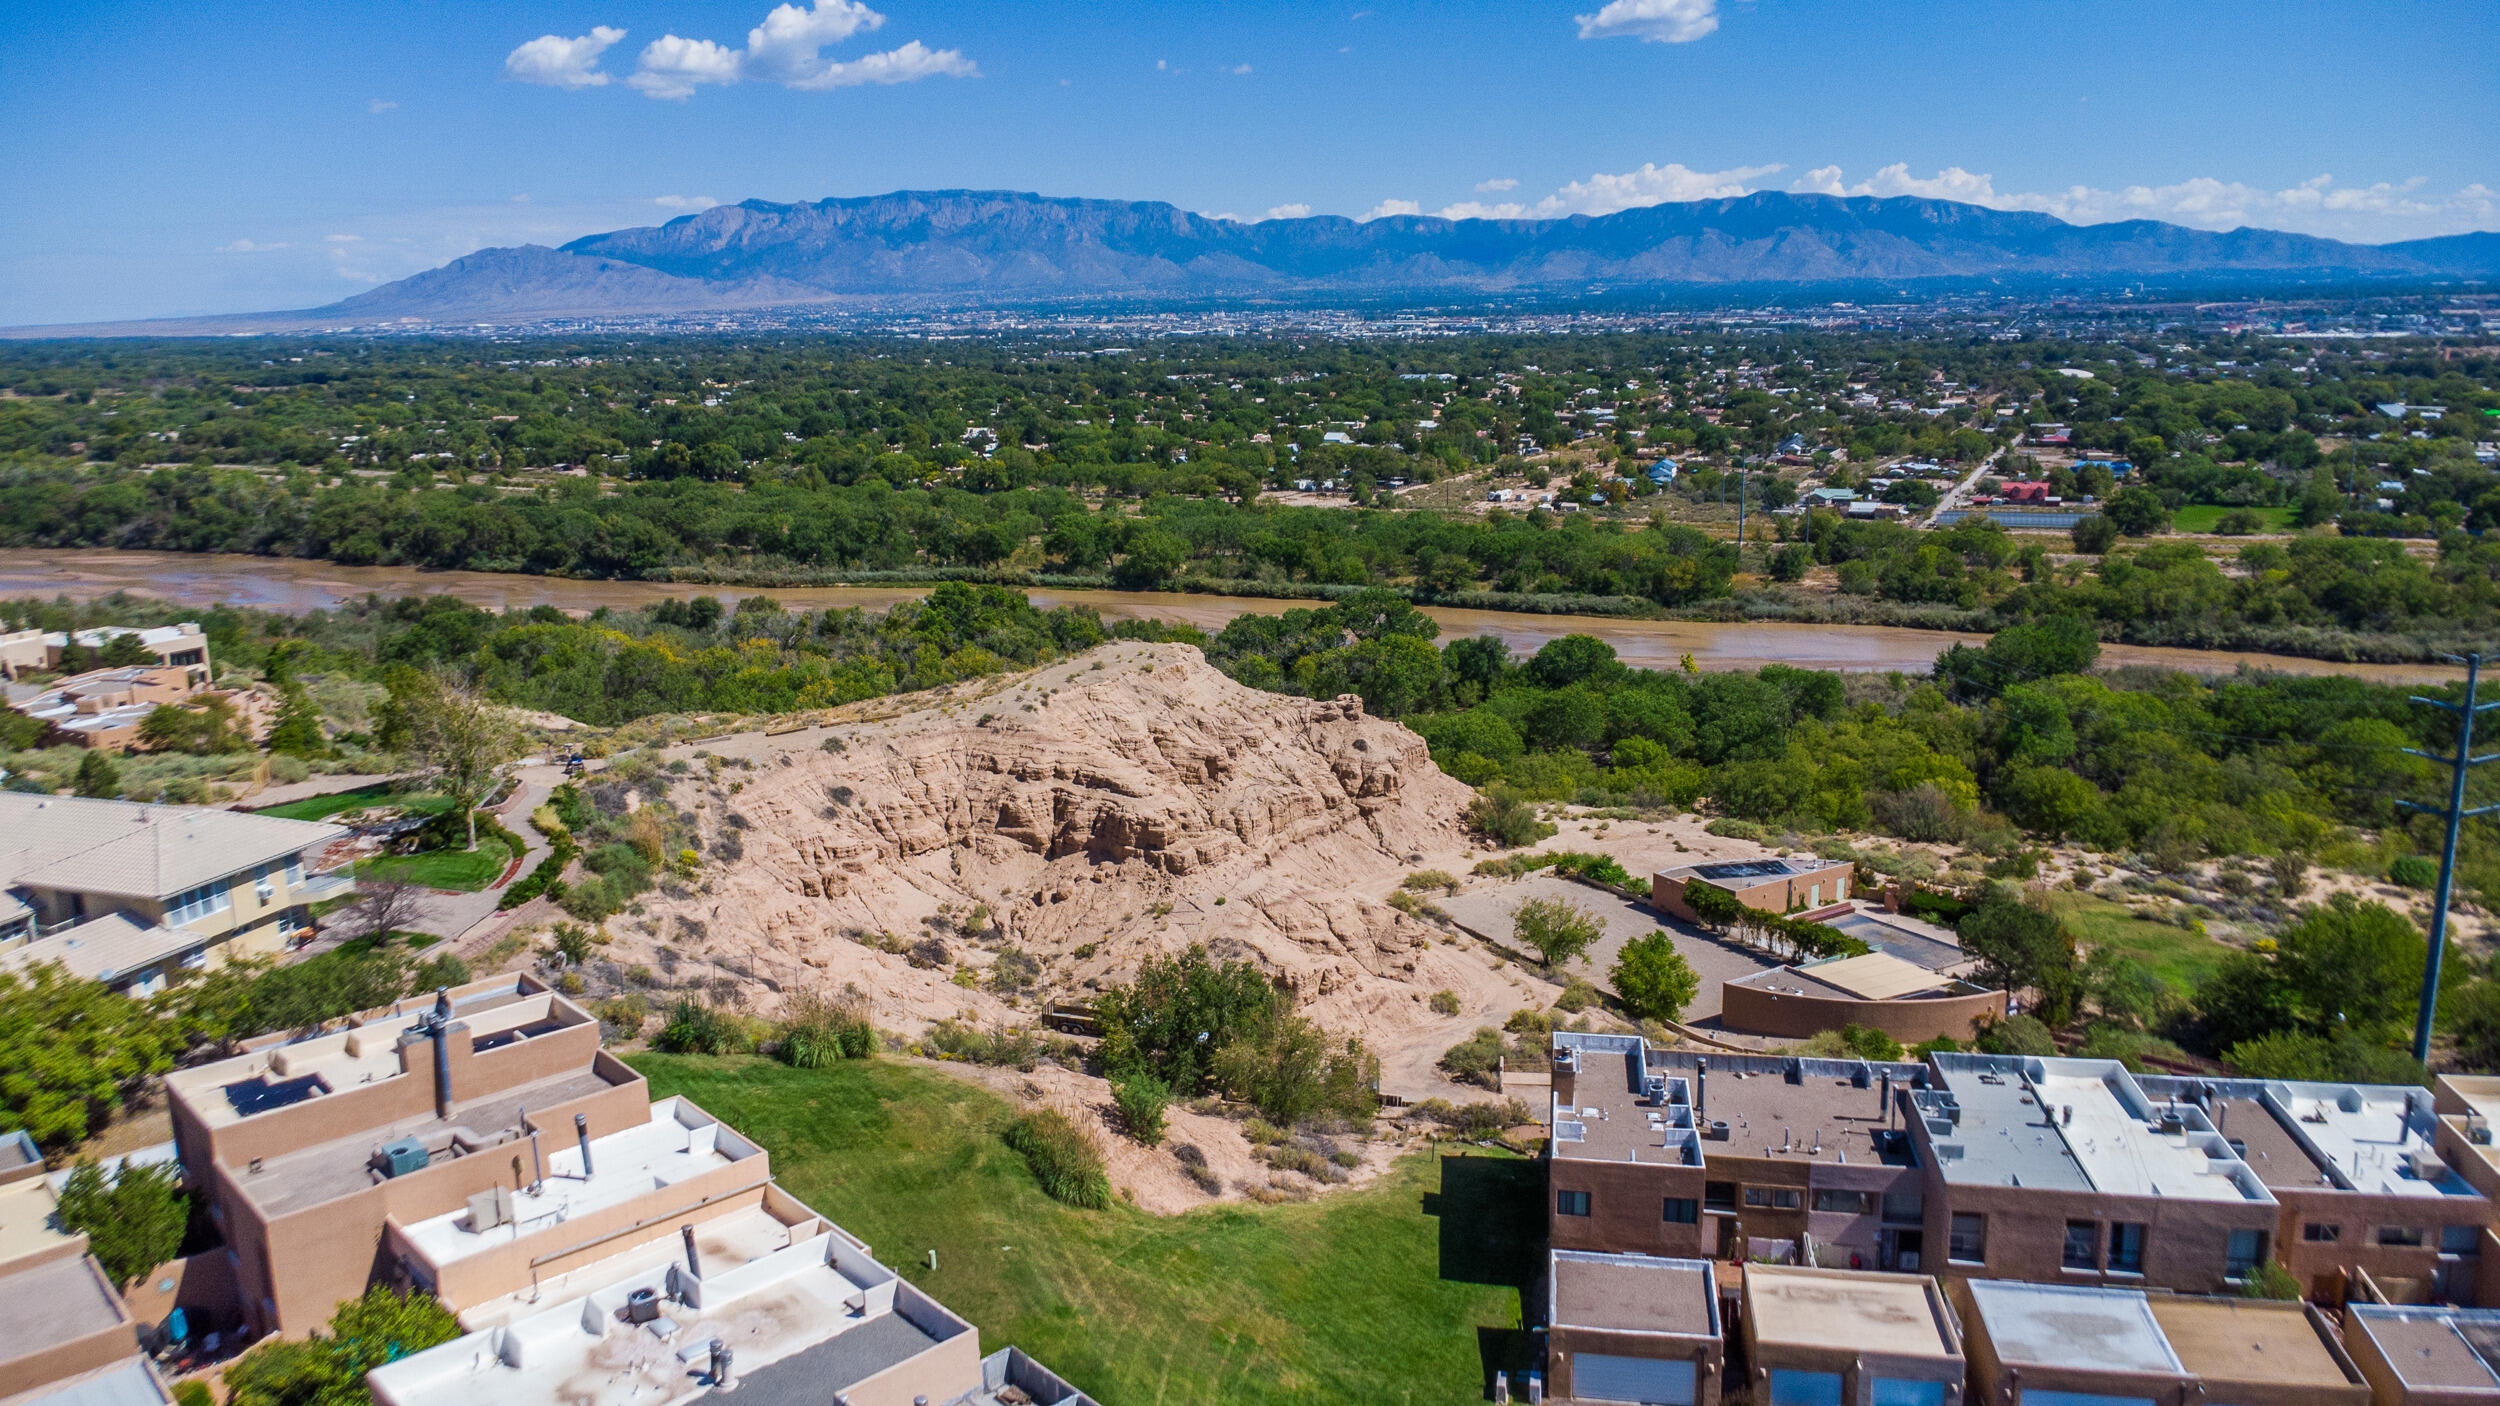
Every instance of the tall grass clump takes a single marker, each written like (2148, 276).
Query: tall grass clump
(817, 1029)
(1066, 1158)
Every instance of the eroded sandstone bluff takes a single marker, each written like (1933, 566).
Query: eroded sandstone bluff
(1122, 804)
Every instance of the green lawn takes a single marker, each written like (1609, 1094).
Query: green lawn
(2176, 955)
(2201, 517)
(1404, 1291)
(378, 794)
(465, 870)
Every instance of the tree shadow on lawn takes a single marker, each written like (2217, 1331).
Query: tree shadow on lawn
(1492, 1214)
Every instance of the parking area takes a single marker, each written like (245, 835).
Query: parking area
(1488, 909)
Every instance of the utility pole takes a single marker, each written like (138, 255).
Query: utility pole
(1741, 482)
(2456, 813)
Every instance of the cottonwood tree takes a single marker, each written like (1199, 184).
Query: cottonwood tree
(453, 732)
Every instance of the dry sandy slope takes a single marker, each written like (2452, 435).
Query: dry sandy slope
(1122, 804)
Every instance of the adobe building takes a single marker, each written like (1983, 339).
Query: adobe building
(2064, 1344)
(1875, 990)
(1633, 1328)
(1830, 1335)
(600, 1247)
(2415, 1356)
(2371, 1208)
(1781, 885)
(1665, 1152)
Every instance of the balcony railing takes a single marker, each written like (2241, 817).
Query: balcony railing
(321, 886)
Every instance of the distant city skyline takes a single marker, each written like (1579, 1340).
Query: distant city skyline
(173, 161)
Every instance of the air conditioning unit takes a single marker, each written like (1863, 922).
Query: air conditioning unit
(399, 1158)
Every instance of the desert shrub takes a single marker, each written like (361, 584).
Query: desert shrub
(1597, 868)
(1445, 1003)
(1738, 830)
(1194, 1166)
(1474, 1120)
(1476, 1059)
(1015, 970)
(1178, 1012)
(1291, 1071)
(1924, 812)
(1578, 994)
(2017, 1035)
(818, 1029)
(1506, 818)
(624, 1017)
(1066, 1159)
(930, 954)
(1310, 1162)
(1538, 1023)
(1004, 1045)
(1423, 879)
(1852, 1042)
(2413, 871)
(1141, 1099)
(699, 1027)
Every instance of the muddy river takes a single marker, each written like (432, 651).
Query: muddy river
(272, 583)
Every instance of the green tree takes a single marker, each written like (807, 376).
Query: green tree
(2094, 535)
(125, 651)
(98, 776)
(1141, 1099)
(297, 728)
(133, 1220)
(71, 1052)
(2021, 945)
(1654, 980)
(328, 1368)
(1291, 1071)
(1558, 930)
(451, 731)
(2137, 512)
(1179, 1011)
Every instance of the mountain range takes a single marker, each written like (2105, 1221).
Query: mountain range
(1004, 246)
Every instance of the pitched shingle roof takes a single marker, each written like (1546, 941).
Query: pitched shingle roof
(134, 850)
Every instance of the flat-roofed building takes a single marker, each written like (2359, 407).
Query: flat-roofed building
(481, 1146)
(1827, 1335)
(1637, 1328)
(1876, 990)
(1777, 885)
(1671, 1153)
(130, 894)
(2066, 1344)
(2426, 1356)
(2065, 1170)
(2365, 1180)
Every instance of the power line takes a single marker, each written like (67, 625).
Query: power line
(2455, 813)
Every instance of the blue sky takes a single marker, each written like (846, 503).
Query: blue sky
(177, 158)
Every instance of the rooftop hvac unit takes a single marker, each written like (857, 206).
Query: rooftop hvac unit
(400, 1157)
(490, 1208)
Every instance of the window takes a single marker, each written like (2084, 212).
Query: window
(1682, 1210)
(1902, 1391)
(1850, 1203)
(294, 870)
(1779, 1198)
(1719, 1195)
(2083, 1245)
(2460, 1239)
(199, 903)
(1791, 1388)
(2318, 1233)
(2126, 1248)
(1970, 1239)
(2246, 1251)
(1909, 1207)
(2404, 1236)
(1572, 1203)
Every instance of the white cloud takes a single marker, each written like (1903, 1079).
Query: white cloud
(787, 49)
(1238, 70)
(381, 105)
(684, 202)
(1387, 208)
(1497, 185)
(1295, 211)
(2383, 210)
(1604, 194)
(246, 246)
(563, 63)
(1653, 21)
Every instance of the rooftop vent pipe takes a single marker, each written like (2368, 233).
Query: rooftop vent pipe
(581, 1134)
(1885, 1105)
(720, 1365)
(1701, 1087)
(694, 1261)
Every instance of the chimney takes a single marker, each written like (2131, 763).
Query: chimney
(438, 1028)
(581, 1134)
(1884, 1098)
(694, 1261)
(1701, 1088)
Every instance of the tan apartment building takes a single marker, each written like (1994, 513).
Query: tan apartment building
(2372, 1206)
(70, 1336)
(2417, 1356)
(24, 652)
(1633, 1328)
(1985, 1166)
(599, 1246)
(1780, 885)
(2068, 1345)
(103, 708)
(133, 894)
(1827, 1335)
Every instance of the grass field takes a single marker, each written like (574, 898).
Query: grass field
(380, 794)
(2176, 955)
(1404, 1291)
(465, 870)
(2201, 517)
